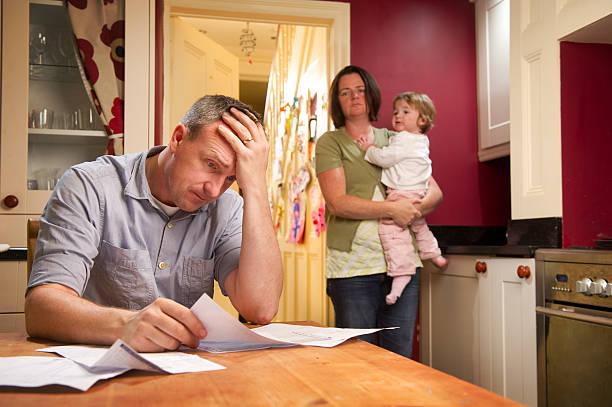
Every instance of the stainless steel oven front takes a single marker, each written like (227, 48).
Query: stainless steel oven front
(574, 327)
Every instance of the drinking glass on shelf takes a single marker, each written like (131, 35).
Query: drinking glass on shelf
(77, 119)
(45, 118)
(38, 44)
(33, 120)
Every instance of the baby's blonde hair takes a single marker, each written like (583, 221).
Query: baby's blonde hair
(422, 103)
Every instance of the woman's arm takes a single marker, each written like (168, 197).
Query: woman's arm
(339, 203)
(432, 199)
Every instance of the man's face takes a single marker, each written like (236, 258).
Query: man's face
(201, 169)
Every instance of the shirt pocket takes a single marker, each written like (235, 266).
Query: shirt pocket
(129, 278)
(197, 279)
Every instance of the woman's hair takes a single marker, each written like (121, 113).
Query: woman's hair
(372, 95)
(423, 104)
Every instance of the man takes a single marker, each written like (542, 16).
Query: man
(127, 244)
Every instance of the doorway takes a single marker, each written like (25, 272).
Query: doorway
(290, 100)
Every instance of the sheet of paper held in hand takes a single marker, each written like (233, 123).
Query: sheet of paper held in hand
(83, 366)
(227, 334)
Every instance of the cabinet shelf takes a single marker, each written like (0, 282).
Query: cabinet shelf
(61, 136)
(55, 73)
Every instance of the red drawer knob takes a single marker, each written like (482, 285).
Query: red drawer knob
(10, 201)
(523, 271)
(481, 267)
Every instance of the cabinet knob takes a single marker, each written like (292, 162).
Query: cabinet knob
(523, 271)
(10, 201)
(481, 267)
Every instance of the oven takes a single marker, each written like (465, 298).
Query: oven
(574, 327)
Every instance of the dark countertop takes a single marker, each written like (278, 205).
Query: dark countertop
(500, 251)
(520, 238)
(14, 254)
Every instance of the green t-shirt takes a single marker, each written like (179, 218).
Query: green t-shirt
(337, 149)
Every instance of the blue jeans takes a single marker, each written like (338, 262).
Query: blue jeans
(359, 302)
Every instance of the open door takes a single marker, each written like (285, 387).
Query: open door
(198, 66)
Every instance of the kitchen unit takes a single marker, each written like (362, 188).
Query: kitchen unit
(574, 327)
(478, 323)
(536, 28)
(47, 122)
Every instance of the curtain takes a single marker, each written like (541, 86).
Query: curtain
(99, 29)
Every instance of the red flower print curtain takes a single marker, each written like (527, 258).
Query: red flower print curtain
(99, 29)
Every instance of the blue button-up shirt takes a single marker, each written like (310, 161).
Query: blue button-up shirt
(103, 235)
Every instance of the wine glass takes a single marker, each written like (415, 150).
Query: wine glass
(39, 45)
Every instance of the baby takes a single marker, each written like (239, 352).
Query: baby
(406, 172)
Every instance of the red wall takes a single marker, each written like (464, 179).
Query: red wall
(586, 134)
(429, 46)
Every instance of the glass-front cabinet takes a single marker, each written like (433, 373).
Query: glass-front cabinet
(63, 125)
(47, 120)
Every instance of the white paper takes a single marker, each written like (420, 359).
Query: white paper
(311, 335)
(36, 371)
(121, 355)
(227, 334)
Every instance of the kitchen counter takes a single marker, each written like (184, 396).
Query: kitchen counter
(14, 254)
(521, 238)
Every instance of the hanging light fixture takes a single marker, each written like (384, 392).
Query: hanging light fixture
(248, 42)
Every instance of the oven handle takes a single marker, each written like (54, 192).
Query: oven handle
(574, 316)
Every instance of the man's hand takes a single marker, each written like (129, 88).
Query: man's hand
(403, 211)
(248, 140)
(163, 325)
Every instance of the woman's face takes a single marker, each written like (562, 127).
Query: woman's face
(351, 94)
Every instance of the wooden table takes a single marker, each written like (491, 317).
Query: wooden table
(354, 373)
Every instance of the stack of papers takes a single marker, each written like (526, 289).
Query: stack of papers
(83, 366)
(227, 334)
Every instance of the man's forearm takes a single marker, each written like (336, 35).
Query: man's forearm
(259, 279)
(55, 312)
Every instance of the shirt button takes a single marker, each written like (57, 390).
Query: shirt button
(170, 225)
(163, 265)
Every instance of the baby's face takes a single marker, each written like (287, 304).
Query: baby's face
(406, 118)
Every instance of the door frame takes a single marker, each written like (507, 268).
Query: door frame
(330, 14)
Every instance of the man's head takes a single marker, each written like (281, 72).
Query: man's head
(208, 109)
(199, 164)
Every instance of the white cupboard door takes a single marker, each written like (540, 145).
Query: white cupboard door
(535, 135)
(198, 66)
(513, 330)
(493, 50)
(14, 135)
(450, 318)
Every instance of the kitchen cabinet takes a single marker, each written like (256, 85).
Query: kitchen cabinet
(478, 323)
(493, 60)
(536, 28)
(48, 123)
(13, 277)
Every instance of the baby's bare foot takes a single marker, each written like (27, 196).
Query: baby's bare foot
(440, 262)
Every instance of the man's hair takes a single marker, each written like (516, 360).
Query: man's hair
(208, 109)
(423, 104)
(372, 95)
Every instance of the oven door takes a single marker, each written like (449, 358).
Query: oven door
(574, 356)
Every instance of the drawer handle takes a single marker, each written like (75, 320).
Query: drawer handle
(481, 267)
(10, 201)
(523, 272)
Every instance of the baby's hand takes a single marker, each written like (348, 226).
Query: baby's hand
(364, 143)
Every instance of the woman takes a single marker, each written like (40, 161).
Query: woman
(356, 271)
